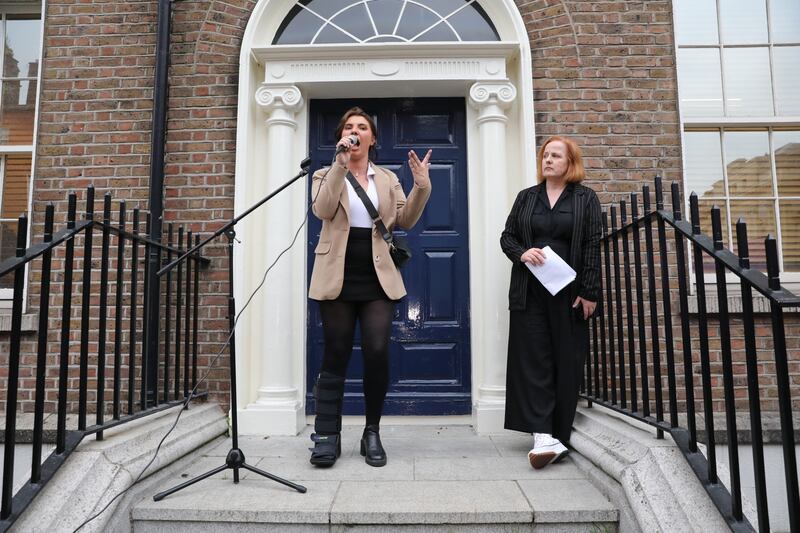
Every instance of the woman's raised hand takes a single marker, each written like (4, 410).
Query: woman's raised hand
(419, 168)
(343, 155)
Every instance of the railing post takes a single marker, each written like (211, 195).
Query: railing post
(651, 293)
(168, 316)
(753, 391)
(101, 333)
(118, 311)
(727, 367)
(784, 389)
(618, 294)
(686, 337)
(667, 304)
(132, 325)
(196, 309)
(86, 288)
(66, 315)
(637, 261)
(610, 313)
(628, 305)
(188, 319)
(13, 374)
(702, 320)
(41, 352)
(144, 384)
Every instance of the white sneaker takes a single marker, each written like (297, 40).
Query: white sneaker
(546, 450)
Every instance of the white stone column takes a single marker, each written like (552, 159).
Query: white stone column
(274, 405)
(492, 99)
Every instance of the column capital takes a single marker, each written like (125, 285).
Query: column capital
(281, 102)
(486, 93)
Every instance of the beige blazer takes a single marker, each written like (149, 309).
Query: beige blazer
(333, 208)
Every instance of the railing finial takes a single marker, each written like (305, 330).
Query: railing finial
(773, 272)
(676, 202)
(741, 243)
(716, 228)
(694, 213)
(659, 193)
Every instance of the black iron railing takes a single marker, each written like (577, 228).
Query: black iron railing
(136, 389)
(606, 382)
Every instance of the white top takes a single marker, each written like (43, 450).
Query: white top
(359, 217)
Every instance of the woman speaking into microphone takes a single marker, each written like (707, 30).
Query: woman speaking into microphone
(354, 277)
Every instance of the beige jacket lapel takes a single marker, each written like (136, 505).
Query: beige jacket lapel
(383, 184)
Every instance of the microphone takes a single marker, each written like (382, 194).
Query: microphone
(354, 141)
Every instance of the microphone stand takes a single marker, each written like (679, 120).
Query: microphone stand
(235, 458)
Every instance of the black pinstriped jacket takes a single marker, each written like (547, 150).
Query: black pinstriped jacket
(584, 251)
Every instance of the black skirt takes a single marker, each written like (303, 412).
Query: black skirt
(360, 279)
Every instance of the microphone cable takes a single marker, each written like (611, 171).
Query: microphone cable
(213, 362)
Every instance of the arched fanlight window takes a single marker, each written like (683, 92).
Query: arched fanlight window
(376, 21)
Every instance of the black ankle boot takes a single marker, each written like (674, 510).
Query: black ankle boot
(327, 448)
(328, 393)
(371, 447)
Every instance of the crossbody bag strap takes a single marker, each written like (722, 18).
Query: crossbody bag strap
(373, 213)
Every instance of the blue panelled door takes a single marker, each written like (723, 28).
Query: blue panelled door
(430, 346)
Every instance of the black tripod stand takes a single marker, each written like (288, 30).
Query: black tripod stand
(235, 458)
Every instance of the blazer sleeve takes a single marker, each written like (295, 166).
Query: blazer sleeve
(510, 239)
(409, 209)
(592, 232)
(327, 185)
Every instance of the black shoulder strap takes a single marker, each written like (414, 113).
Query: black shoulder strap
(373, 213)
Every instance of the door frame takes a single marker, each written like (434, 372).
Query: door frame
(276, 83)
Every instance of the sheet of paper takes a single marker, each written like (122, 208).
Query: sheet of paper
(554, 274)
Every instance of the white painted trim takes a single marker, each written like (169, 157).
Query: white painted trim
(280, 409)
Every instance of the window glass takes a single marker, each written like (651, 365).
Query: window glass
(17, 111)
(385, 15)
(786, 62)
(703, 155)
(748, 163)
(748, 89)
(22, 37)
(695, 21)
(355, 21)
(790, 234)
(700, 82)
(743, 21)
(787, 161)
(785, 21)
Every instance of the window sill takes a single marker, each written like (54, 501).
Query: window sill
(760, 304)
(28, 322)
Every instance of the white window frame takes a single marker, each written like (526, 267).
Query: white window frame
(723, 123)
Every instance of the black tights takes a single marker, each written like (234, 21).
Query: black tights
(338, 327)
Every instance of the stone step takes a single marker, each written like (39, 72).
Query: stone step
(437, 479)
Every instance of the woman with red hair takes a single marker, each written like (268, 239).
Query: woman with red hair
(549, 334)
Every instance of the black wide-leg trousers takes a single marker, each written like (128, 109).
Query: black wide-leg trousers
(546, 351)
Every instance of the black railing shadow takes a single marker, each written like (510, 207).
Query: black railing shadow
(606, 382)
(133, 393)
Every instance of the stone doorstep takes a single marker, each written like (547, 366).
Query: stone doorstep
(486, 485)
(384, 503)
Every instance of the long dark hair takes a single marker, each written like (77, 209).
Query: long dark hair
(357, 111)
